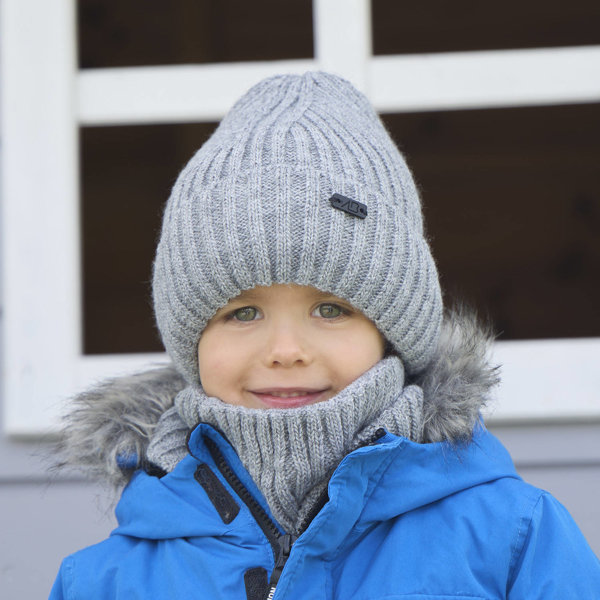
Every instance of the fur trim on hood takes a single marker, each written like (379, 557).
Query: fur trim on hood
(108, 428)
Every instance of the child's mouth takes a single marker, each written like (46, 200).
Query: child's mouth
(289, 397)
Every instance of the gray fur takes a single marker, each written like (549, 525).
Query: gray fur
(457, 382)
(116, 418)
(119, 416)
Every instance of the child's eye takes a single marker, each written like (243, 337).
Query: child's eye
(328, 311)
(246, 313)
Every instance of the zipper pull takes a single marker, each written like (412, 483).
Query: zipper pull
(381, 432)
(285, 543)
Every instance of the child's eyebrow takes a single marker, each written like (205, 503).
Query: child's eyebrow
(246, 295)
(322, 294)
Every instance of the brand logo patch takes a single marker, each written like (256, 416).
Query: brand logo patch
(352, 207)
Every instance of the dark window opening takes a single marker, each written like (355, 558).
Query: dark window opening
(127, 175)
(512, 208)
(462, 25)
(155, 32)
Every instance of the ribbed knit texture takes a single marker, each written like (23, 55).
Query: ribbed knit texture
(252, 208)
(291, 453)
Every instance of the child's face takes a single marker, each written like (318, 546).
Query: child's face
(285, 346)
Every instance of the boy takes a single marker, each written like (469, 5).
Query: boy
(319, 433)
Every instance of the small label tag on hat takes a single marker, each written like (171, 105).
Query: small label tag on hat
(352, 207)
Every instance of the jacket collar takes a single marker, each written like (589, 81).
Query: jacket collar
(374, 483)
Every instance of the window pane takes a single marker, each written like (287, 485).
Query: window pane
(512, 203)
(442, 26)
(127, 174)
(155, 32)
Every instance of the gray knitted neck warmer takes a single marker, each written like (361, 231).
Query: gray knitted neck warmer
(291, 453)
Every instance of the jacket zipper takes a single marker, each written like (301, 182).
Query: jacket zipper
(285, 543)
(281, 544)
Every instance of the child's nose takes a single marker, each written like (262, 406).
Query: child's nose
(287, 346)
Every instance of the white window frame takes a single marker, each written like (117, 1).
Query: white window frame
(45, 99)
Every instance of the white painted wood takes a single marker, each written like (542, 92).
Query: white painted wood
(342, 34)
(485, 79)
(40, 248)
(393, 83)
(172, 94)
(547, 380)
(85, 372)
(95, 368)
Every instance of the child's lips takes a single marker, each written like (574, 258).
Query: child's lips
(289, 397)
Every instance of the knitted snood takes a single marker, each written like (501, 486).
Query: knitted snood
(291, 453)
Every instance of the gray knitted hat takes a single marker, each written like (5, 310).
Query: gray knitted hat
(300, 183)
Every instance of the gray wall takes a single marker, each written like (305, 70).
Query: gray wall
(565, 460)
(44, 518)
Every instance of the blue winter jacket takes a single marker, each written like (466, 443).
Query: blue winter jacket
(402, 521)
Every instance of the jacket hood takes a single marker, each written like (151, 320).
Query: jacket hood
(108, 427)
